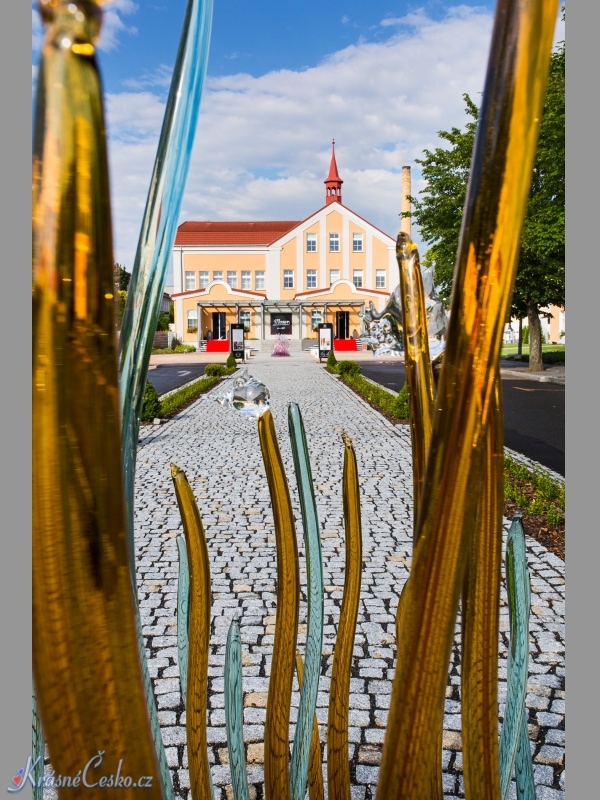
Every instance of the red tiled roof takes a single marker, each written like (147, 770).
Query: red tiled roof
(231, 233)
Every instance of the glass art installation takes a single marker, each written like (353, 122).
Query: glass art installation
(91, 682)
(384, 328)
(281, 346)
(247, 395)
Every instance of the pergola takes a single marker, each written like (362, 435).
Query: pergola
(265, 306)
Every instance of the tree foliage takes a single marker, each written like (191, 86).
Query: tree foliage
(121, 278)
(438, 212)
(540, 279)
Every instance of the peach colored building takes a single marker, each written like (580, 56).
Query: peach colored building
(285, 276)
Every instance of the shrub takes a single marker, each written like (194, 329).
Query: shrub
(400, 404)
(184, 348)
(215, 370)
(231, 362)
(348, 368)
(332, 361)
(152, 405)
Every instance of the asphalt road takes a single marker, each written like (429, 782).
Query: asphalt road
(166, 377)
(534, 413)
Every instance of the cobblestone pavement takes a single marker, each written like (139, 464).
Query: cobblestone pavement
(220, 453)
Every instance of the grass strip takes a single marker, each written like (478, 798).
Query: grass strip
(395, 405)
(532, 489)
(173, 403)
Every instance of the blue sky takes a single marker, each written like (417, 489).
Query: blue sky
(284, 79)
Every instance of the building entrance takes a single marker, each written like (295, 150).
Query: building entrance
(218, 325)
(342, 324)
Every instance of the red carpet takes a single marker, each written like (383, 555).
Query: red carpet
(217, 346)
(345, 344)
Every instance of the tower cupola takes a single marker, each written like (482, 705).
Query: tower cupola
(333, 182)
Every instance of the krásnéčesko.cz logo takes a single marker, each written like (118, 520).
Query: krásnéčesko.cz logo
(89, 776)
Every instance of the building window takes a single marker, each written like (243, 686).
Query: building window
(311, 279)
(232, 279)
(334, 243)
(218, 275)
(316, 318)
(380, 279)
(190, 281)
(334, 275)
(203, 279)
(246, 279)
(357, 242)
(288, 278)
(311, 242)
(192, 320)
(246, 319)
(259, 280)
(357, 278)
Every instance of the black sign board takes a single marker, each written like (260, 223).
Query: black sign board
(236, 332)
(281, 324)
(325, 339)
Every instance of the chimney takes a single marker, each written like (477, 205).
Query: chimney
(405, 221)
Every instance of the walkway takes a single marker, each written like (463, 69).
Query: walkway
(220, 453)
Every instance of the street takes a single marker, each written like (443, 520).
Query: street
(534, 413)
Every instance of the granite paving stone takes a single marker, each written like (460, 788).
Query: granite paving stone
(219, 451)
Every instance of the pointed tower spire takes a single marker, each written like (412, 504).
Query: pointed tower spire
(333, 182)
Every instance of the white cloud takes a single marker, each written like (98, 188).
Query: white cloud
(113, 25)
(263, 145)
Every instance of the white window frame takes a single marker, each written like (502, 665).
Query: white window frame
(288, 278)
(311, 278)
(203, 279)
(246, 279)
(190, 278)
(192, 314)
(246, 318)
(358, 274)
(217, 275)
(259, 280)
(379, 275)
(334, 243)
(357, 243)
(311, 239)
(316, 318)
(331, 278)
(232, 277)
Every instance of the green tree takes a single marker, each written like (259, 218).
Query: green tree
(540, 280)
(121, 278)
(162, 323)
(438, 212)
(120, 301)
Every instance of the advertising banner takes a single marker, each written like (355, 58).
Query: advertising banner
(236, 332)
(325, 339)
(281, 324)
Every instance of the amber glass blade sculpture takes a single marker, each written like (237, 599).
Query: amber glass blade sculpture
(338, 760)
(483, 281)
(419, 374)
(199, 637)
(279, 699)
(85, 652)
(481, 617)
